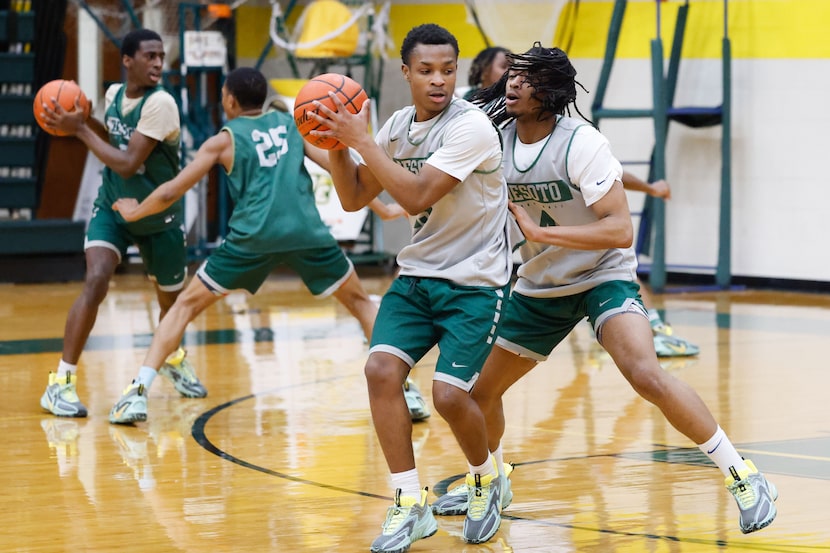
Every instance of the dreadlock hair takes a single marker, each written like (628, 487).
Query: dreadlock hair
(428, 33)
(548, 71)
(482, 62)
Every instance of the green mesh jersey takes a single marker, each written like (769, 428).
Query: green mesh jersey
(274, 205)
(160, 166)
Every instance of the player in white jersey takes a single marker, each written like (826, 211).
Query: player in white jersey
(567, 195)
(440, 159)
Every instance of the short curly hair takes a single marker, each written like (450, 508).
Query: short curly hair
(132, 41)
(248, 86)
(428, 33)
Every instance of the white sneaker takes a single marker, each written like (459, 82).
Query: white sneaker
(132, 407)
(456, 500)
(755, 496)
(415, 402)
(178, 370)
(60, 397)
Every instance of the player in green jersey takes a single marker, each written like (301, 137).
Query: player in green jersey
(139, 145)
(274, 222)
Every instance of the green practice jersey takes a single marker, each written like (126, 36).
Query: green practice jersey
(274, 205)
(160, 166)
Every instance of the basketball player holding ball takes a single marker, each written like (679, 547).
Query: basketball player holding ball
(440, 159)
(66, 93)
(140, 148)
(274, 222)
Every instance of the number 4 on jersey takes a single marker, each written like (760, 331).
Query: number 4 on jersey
(546, 220)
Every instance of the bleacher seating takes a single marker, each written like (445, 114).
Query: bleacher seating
(31, 249)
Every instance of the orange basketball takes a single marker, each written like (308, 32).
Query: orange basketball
(65, 93)
(348, 91)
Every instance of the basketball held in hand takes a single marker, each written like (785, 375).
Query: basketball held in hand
(65, 93)
(347, 90)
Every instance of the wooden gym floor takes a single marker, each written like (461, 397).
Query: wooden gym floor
(281, 455)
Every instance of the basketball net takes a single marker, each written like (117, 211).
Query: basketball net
(516, 25)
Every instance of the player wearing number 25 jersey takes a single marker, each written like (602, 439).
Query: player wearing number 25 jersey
(274, 222)
(270, 187)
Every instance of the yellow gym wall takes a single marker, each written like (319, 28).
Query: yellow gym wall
(780, 48)
(760, 29)
(253, 23)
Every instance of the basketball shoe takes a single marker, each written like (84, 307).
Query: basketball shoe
(60, 397)
(454, 502)
(755, 496)
(178, 370)
(406, 521)
(666, 344)
(483, 508)
(415, 402)
(132, 407)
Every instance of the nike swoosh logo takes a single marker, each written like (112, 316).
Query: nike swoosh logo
(120, 412)
(393, 139)
(599, 182)
(714, 448)
(677, 348)
(457, 366)
(604, 302)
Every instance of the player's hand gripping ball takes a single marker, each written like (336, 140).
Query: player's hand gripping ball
(65, 93)
(347, 90)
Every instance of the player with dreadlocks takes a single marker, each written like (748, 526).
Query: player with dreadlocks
(567, 196)
(556, 76)
(548, 71)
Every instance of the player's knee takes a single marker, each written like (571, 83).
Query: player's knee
(381, 375)
(96, 285)
(448, 400)
(649, 382)
(188, 305)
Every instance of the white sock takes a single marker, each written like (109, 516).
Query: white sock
(408, 482)
(484, 469)
(498, 456)
(721, 451)
(64, 367)
(146, 375)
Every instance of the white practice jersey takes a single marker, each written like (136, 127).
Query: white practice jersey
(159, 116)
(557, 180)
(462, 237)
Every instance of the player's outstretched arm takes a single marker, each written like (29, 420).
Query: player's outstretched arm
(317, 155)
(385, 211)
(216, 150)
(658, 189)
